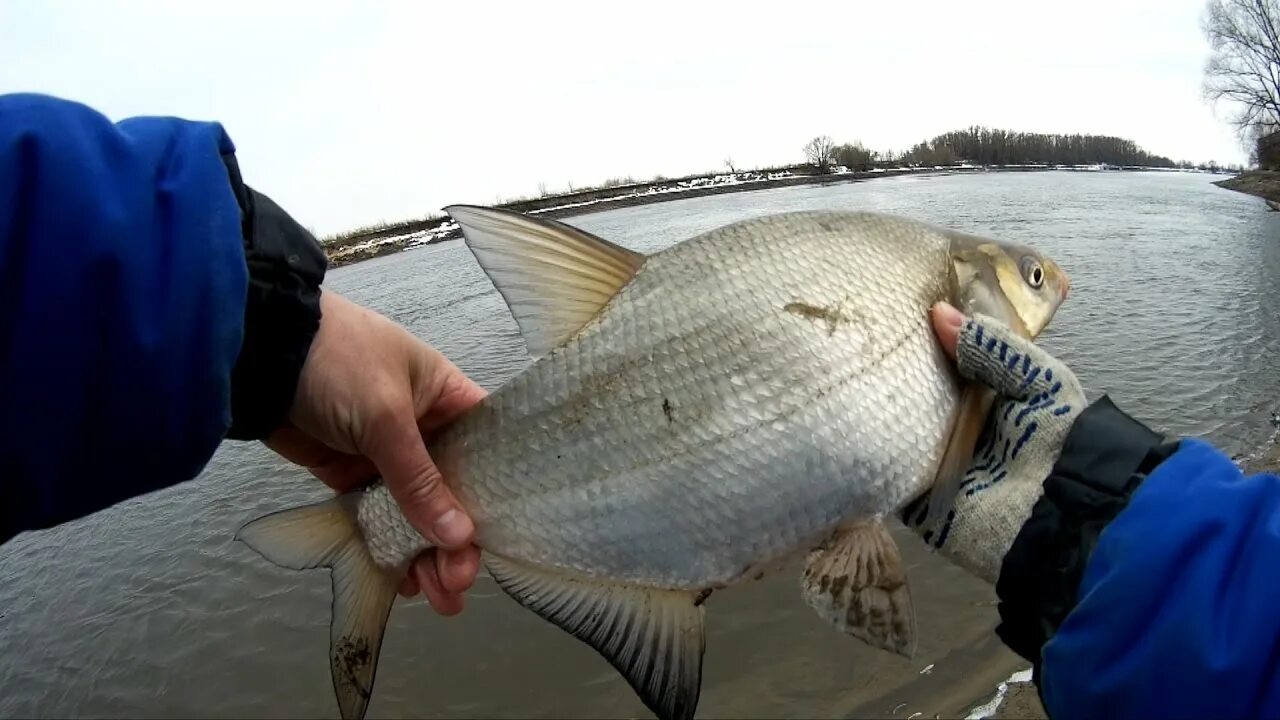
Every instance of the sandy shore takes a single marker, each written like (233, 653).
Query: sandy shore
(1021, 702)
(1268, 460)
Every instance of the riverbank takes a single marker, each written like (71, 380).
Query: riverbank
(392, 238)
(1259, 183)
(1267, 460)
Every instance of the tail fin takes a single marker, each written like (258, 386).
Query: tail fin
(326, 535)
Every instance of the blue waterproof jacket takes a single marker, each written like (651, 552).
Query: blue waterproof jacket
(122, 298)
(151, 305)
(123, 285)
(1178, 610)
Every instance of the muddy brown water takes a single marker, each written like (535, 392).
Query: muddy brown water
(149, 609)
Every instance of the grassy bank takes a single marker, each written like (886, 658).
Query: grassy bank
(374, 241)
(1259, 183)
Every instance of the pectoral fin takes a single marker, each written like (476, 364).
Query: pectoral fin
(653, 637)
(975, 403)
(855, 581)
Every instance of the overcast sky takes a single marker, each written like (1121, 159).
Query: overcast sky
(354, 113)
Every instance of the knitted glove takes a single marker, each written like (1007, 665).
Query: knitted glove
(1038, 400)
(1048, 476)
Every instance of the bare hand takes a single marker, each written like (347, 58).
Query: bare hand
(369, 393)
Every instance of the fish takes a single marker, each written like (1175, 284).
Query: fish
(760, 393)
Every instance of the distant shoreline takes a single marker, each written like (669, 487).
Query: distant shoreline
(393, 238)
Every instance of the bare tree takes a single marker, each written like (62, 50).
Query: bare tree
(852, 155)
(729, 163)
(820, 151)
(1244, 67)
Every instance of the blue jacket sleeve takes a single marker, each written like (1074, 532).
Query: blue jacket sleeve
(1178, 610)
(122, 296)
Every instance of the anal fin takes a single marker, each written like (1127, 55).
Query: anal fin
(856, 582)
(971, 415)
(653, 637)
(325, 535)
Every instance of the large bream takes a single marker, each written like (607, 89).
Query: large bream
(692, 418)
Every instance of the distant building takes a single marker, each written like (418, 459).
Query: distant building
(1269, 151)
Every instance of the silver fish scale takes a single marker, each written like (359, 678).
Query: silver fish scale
(704, 425)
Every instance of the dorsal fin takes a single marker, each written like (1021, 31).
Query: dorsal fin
(555, 278)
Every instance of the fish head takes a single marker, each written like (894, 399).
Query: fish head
(1013, 283)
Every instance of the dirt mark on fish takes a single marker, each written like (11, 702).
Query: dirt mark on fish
(832, 316)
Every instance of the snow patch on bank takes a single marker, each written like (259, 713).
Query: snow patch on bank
(721, 180)
(417, 237)
(989, 708)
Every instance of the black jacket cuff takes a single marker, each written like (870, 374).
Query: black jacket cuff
(282, 311)
(1106, 456)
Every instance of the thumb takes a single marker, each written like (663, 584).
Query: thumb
(947, 321)
(417, 484)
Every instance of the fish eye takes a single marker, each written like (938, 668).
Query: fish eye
(1032, 272)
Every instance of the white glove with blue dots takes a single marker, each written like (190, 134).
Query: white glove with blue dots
(1038, 399)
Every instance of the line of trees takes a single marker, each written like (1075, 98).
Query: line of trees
(986, 146)
(991, 146)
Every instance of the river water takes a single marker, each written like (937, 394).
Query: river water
(149, 609)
